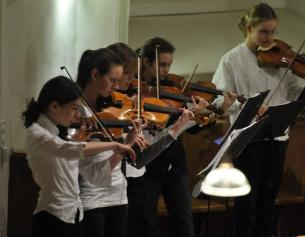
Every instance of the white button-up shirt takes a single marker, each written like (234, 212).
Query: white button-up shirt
(54, 163)
(239, 72)
(100, 186)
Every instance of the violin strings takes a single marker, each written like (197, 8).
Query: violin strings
(108, 134)
(285, 73)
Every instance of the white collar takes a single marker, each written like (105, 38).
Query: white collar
(45, 122)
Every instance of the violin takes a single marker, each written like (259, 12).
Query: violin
(121, 99)
(85, 134)
(104, 135)
(154, 120)
(82, 135)
(177, 99)
(204, 89)
(129, 110)
(279, 54)
(86, 128)
(180, 83)
(200, 120)
(149, 91)
(170, 94)
(114, 125)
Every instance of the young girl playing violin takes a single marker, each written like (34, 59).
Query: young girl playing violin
(136, 189)
(105, 206)
(135, 177)
(54, 162)
(261, 161)
(167, 173)
(99, 72)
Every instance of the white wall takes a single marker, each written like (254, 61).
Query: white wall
(36, 38)
(297, 6)
(40, 36)
(4, 167)
(166, 7)
(204, 38)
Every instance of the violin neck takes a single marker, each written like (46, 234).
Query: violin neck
(117, 123)
(208, 90)
(160, 109)
(173, 96)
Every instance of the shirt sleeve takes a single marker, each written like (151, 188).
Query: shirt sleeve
(40, 142)
(223, 78)
(295, 85)
(96, 169)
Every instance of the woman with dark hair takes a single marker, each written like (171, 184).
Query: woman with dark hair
(167, 173)
(261, 161)
(54, 161)
(106, 207)
(129, 60)
(136, 178)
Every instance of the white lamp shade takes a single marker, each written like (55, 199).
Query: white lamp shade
(225, 182)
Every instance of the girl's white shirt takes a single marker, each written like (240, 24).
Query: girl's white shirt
(99, 186)
(238, 71)
(54, 164)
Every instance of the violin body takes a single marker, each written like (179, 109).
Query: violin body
(209, 97)
(281, 55)
(120, 98)
(89, 127)
(153, 119)
(179, 82)
(149, 94)
(82, 135)
(128, 111)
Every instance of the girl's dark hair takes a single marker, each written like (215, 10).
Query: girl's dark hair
(101, 59)
(59, 89)
(126, 54)
(256, 15)
(148, 49)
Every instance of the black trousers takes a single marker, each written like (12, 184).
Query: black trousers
(177, 197)
(45, 224)
(263, 163)
(105, 222)
(137, 222)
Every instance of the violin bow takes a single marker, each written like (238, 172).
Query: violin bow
(157, 70)
(189, 78)
(139, 114)
(285, 73)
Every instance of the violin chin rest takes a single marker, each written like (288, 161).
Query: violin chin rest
(262, 49)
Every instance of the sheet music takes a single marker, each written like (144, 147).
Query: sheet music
(246, 115)
(235, 143)
(216, 160)
(280, 118)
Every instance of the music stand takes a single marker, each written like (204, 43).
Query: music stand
(234, 143)
(280, 117)
(247, 113)
(152, 151)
